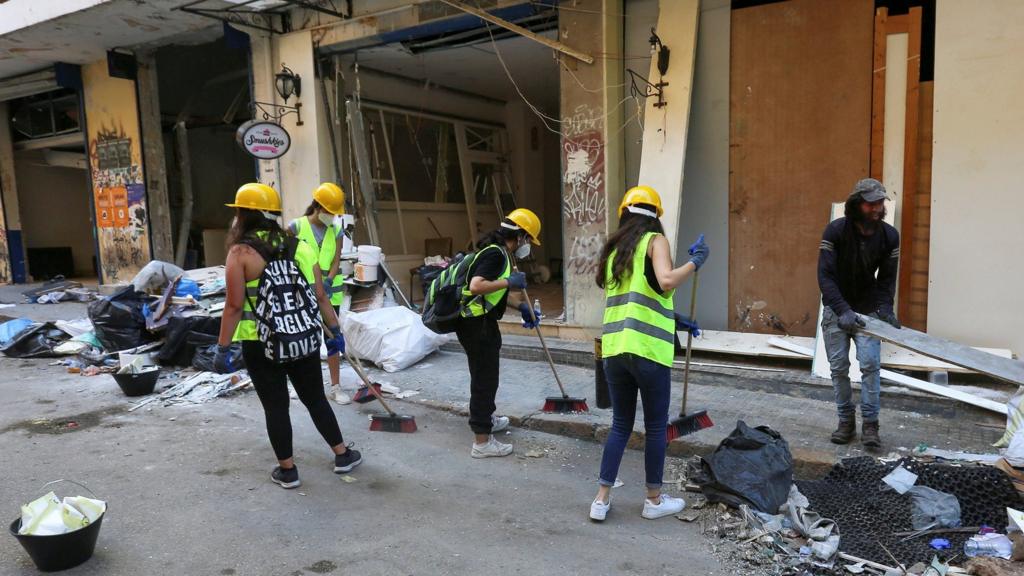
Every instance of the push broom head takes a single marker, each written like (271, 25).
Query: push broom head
(363, 395)
(564, 405)
(392, 423)
(688, 424)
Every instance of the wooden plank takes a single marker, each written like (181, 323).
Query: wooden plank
(554, 45)
(744, 344)
(878, 94)
(910, 159)
(989, 364)
(919, 257)
(154, 159)
(784, 168)
(904, 380)
(663, 153)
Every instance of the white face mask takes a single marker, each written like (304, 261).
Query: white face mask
(326, 218)
(523, 251)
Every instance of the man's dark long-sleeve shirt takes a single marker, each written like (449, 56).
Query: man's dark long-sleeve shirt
(847, 266)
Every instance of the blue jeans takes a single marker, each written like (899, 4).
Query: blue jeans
(627, 374)
(869, 355)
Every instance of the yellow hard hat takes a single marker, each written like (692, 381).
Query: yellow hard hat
(527, 221)
(641, 195)
(331, 197)
(257, 196)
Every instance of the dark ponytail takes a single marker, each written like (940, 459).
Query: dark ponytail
(632, 228)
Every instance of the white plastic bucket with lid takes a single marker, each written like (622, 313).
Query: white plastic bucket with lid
(369, 255)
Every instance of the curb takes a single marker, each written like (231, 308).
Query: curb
(788, 383)
(806, 463)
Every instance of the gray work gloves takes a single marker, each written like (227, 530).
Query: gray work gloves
(849, 321)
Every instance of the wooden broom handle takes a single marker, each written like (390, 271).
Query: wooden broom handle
(689, 342)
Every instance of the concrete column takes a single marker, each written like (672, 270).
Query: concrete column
(154, 158)
(301, 165)
(10, 221)
(591, 151)
(261, 84)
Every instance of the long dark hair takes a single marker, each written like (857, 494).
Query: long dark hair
(498, 236)
(312, 208)
(246, 226)
(623, 242)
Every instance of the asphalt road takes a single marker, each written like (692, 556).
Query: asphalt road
(189, 493)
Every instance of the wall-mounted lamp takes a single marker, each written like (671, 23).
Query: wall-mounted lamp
(287, 83)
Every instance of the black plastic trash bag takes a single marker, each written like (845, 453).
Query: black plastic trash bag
(36, 341)
(203, 360)
(751, 466)
(119, 322)
(184, 336)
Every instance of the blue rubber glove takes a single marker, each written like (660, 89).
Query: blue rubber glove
(224, 360)
(336, 343)
(517, 281)
(699, 252)
(528, 321)
(687, 324)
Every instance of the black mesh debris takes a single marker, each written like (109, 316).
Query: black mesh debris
(867, 516)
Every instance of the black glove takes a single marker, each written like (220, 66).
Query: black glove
(849, 321)
(224, 360)
(517, 281)
(890, 317)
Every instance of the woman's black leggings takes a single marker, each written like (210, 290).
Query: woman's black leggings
(271, 382)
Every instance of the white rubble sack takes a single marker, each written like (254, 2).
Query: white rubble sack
(392, 338)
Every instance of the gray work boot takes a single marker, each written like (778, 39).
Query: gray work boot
(845, 431)
(869, 435)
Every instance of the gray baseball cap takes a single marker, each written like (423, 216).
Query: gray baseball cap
(870, 190)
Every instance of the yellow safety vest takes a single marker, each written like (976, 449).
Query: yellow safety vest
(638, 320)
(305, 258)
(325, 254)
(478, 305)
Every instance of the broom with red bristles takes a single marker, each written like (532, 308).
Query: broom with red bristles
(390, 422)
(688, 423)
(563, 404)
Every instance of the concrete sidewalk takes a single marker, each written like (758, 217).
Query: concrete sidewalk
(805, 419)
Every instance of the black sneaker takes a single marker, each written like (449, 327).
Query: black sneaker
(286, 477)
(344, 463)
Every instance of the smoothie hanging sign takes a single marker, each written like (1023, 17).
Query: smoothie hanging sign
(263, 140)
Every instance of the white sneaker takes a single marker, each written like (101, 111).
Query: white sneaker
(599, 510)
(339, 396)
(667, 507)
(490, 449)
(499, 423)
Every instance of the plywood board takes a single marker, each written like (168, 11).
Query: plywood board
(914, 383)
(665, 127)
(800, 109)
(744, 344)
(989, 364)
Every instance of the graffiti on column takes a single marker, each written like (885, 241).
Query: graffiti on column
(115, 166)
(584, 195)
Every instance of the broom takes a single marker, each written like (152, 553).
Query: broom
(363, 395)
(390, 422)
(688, 423)
(554, 404)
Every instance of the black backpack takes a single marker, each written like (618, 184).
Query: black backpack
(286, 310)
(443, 301)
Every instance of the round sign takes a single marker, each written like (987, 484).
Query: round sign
(263, 140)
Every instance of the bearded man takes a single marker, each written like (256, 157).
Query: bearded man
(858, 261)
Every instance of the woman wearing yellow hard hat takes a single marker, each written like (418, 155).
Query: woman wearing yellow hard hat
(318, 229)
(264, 301)
(638, 341)
(492, 283)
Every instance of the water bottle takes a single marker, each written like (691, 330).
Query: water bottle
(995, 545)
(536, 308)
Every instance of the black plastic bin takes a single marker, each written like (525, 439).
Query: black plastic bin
(138, 384)
(60, 551)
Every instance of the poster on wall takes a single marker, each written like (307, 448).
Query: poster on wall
(115, 165)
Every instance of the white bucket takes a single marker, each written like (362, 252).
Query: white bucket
(369, 255)
(366, 273)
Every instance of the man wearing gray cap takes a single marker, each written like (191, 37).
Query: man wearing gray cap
(858, 261)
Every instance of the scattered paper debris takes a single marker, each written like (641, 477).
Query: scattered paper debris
(348, 479)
